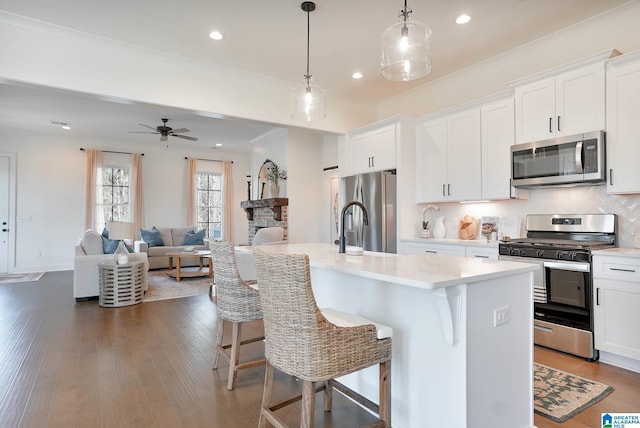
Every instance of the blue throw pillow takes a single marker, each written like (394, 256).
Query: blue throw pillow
(109, 245)
(152, 237)
(194, 238)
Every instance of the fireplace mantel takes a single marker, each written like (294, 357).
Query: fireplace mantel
(275, 204)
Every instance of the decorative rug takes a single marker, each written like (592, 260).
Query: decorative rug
(162, 286)
(10, 278)
(559, 395)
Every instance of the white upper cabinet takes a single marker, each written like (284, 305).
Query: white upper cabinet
(498, 135)
(448, 159)
(564, 101)
(373, 150)
(623, 124)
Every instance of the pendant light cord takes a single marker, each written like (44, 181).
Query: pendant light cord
(307, 76)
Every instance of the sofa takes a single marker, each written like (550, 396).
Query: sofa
(89, 253)
(171, 240)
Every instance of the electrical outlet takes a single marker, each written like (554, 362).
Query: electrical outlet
(501, 316)
(38, 253)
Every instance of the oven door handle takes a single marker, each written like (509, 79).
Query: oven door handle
(574, 267)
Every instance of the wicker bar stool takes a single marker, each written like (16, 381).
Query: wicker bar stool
(302, 342)
(237, 303)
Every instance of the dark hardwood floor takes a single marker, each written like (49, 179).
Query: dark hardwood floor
(68, 364)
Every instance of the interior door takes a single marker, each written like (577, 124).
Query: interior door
(4, 214)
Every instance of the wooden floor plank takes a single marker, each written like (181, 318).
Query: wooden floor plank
(68, 364)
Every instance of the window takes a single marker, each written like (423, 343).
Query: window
(112, 201)
(209, 203)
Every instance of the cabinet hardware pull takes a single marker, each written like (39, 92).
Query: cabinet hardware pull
(431, 251)
(443, 194)
(550, 125)
(542, 327)
(481, 257)
(623, 270)
(449, 189)
(373, 165)
(558, 123)
(598, 296)
(611, 176)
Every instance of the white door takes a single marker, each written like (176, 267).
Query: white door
(4, 214)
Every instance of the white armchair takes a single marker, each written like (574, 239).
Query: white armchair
(244, 257)
(88, 254)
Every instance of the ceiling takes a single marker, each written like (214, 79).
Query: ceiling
(269, 38)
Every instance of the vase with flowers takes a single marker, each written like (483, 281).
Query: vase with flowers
(274, 175)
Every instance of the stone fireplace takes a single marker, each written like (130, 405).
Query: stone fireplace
(266, 213)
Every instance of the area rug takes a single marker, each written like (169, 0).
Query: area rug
(559, 395)
(162, 286)
(10, 278)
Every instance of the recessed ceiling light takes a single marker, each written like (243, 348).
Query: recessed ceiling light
(463, 19)
(66, 127)
(357, 75)
(218, 144)
(215, 35)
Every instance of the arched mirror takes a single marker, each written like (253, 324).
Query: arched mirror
(262, 178)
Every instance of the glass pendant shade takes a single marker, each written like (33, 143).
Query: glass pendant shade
(406, 51)
(308, 102)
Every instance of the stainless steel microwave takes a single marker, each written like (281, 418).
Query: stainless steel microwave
(573, 160)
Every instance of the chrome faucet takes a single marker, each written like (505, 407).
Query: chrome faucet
(342, 238)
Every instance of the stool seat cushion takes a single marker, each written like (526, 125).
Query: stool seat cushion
(346, 319)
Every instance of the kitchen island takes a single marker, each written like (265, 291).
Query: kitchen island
(462, 332)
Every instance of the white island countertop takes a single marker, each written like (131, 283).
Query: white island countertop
(426, 271)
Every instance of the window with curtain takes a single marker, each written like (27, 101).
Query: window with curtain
(113, 191)
(209, 203)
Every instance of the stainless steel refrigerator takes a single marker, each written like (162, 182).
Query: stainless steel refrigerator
(377, 192)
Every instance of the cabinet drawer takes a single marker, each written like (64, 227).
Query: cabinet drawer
(621, 268)
(420, 248)
(482, 252)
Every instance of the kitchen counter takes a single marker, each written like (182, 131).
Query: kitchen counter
(426, 271)
(452, 319)
(619, 252)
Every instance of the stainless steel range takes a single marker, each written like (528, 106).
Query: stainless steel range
(561, 245)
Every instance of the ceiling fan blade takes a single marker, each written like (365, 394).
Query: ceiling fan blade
(147, 126)
(186, 137)
(163, 138)
(179, 130)
(141, 132)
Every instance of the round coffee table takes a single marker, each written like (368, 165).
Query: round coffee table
(180, 271)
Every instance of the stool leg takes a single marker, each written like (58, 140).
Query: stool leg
(328, 395)
(385, 393)
(308, 403)
(266, 394)
(219, 334)
(234, 358)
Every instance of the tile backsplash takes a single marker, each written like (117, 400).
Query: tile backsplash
(573, 200)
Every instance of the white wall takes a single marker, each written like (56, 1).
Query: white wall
(50, 193)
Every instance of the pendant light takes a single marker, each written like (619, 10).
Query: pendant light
(406, 49)
(308, 100)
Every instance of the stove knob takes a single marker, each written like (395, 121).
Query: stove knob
(540, 253)
(574, 255)
(560, 254)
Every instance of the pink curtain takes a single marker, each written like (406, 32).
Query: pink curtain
(136, 194)
(92, 162)
(227, 204)
(192, 208)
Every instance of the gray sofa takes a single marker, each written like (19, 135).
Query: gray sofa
(173, 240)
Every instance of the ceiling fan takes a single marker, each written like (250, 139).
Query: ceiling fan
(165, 131)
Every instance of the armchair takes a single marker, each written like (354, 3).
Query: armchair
(88, 254)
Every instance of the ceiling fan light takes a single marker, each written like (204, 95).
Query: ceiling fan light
(406, 51)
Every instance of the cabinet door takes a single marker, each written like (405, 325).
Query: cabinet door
(374, 150)
(433, 248)
(580, 101)
(616, 317)
(535, 110)
(498, 135)
(383, 148)
(464, 156)
(431, 161)
(623, 128)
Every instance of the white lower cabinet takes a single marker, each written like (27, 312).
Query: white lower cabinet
(616, 293)
(434, 247)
